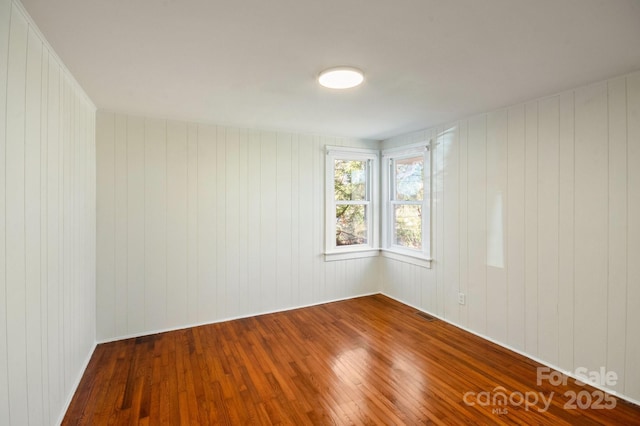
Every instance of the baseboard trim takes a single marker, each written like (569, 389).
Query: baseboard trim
(182, 327)
(519, 352)
(501, 344)
(76, 383)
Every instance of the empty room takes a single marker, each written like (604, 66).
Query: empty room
(330, 212)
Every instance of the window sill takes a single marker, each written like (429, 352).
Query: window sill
(332, 256)
(407, 258)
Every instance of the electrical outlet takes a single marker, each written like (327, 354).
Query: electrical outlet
(461, 298)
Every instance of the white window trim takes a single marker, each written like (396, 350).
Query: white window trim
(333, 252)
(416, 257)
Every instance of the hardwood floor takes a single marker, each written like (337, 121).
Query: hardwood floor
(369, 360)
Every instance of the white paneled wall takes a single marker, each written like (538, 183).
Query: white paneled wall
(537, 220)
(47, 237)
(201, 223)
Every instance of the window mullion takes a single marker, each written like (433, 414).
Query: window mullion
(352, 202)
(408, 203)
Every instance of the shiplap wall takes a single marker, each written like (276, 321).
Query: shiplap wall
(537, 220)
(200, 223)
(47, 237)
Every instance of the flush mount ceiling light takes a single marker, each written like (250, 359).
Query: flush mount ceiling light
(341, 78)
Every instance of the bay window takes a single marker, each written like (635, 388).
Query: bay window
(354, 217)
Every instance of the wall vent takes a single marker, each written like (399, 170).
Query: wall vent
(425, 316)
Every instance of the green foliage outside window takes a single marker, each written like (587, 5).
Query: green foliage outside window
(409, 188)
(350, 184)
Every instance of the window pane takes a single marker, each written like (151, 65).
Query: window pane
(409, 179)
(407, 226)
(350, 180)
(351, 225)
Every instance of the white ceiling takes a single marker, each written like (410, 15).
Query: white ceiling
(253, 63)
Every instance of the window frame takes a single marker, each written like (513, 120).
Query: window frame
(420, 257)
(371, 248)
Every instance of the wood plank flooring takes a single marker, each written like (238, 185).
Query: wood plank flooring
(369, 360)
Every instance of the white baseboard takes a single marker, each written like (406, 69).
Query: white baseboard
(76, 383)
(182, 327)
(519, 352)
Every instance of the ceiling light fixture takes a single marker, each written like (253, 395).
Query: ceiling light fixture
(341, 78)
